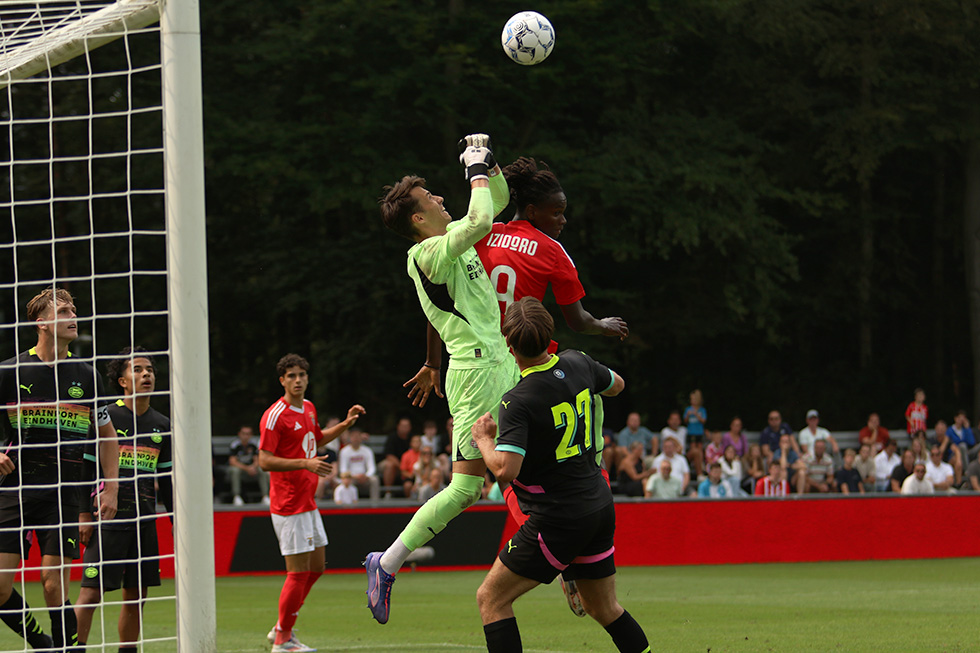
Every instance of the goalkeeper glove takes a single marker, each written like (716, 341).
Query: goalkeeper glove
(479, 140)
(474, 159)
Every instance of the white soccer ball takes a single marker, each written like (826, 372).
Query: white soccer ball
(528, 38)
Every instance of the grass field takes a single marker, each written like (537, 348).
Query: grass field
(922, 605)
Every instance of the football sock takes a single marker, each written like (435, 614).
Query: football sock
(462, 492)
(127, 649)
(503, 636)
(311, 578)
(64, 626)
(290, 601)
(627, 635)
(21, 620)
(394, 557)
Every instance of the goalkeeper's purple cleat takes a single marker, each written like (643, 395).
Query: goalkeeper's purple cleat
(379, 587)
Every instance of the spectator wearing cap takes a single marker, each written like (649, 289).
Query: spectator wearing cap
(916, 483)
(679, 468)
(813, 432)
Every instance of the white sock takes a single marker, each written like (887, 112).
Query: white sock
(393, 559)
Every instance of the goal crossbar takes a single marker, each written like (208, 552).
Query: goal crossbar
(23, 53)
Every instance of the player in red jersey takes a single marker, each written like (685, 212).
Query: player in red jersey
(287, 449)
(524, 257)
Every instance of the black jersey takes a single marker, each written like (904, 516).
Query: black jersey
(52, 411)
(548, 418)
(144, 452)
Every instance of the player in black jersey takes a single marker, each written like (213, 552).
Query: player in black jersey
(114, 548)
(53, 405)
(546, 451)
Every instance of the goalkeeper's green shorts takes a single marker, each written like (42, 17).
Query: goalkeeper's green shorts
(473, 392)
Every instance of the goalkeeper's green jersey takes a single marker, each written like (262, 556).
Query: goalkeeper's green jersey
(454, 289)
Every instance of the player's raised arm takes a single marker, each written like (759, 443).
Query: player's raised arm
(479, 217)
(499, 191)
(332, 433)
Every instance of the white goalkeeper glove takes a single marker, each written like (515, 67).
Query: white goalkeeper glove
(479, 140)
(474, 159)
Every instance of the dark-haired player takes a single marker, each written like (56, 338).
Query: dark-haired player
(524, 257)
(460, 304)
(546, 451)
(290, 437)
(53, 404)
(123, 553)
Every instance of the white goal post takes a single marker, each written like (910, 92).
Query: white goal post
(40, 41)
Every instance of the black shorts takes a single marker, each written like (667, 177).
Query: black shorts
(541, 549)
(125, 545)
(53, 525)
(695, 439)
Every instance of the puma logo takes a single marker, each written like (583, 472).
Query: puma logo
(27, 387)
(71, 541)
(505, 404)
(510, 546)
(123, 432)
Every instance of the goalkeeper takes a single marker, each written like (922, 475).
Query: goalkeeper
(459, 302)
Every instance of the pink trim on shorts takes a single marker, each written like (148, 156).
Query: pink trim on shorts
(552, 560)
(585, 560)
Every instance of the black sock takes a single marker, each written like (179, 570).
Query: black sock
(64, 626)
(627, 635)
(127, 649)
(503, 636)
(22, 621)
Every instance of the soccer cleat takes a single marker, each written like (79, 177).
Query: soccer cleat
(379, 587)
(291, 645)
(272, 634)
(571, 594)
(40, 641)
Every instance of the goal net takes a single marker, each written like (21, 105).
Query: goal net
(102, 190)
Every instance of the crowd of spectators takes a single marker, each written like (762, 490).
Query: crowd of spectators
(688, 458)
(684, 458)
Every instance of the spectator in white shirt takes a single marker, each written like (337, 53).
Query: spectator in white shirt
(939, 473)
(812, 432)
(345, 494)
(358, 461)
(675, 430)
(885, 463)
(679, 468)
(917, 483)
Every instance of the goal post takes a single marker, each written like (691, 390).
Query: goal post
(184, 161)
(101, 109)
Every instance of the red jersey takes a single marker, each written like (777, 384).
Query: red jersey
(764, 487)
(522, 261)
(289, 432)
(917, 415)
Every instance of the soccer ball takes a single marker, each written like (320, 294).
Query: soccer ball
(528, 38)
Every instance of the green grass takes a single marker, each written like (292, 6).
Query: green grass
(922, 605)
